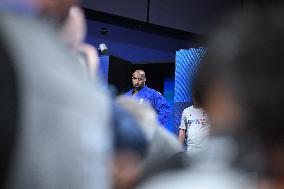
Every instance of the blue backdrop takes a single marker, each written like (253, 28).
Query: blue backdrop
(186, 65)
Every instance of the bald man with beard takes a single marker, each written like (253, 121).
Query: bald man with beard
(145, 94)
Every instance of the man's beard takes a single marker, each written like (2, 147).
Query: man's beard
(138, 88)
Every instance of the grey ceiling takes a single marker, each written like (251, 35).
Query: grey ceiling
(196, 16)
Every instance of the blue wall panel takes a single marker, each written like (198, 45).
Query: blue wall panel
(186, 65)
(135, 45)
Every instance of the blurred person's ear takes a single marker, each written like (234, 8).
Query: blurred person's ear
(74, 28)
(73, 32)
(91, 59)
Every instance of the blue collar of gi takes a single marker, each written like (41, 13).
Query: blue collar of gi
(141, 90)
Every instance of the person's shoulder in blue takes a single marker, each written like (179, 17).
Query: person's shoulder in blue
(143, 93)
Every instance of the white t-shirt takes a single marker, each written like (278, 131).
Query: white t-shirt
(195, 122)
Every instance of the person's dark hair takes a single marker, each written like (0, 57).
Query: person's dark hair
(195, 93)
(248, 58)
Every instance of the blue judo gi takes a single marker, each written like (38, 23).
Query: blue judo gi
(156, 99)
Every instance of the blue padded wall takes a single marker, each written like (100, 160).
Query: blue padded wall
(186, 65)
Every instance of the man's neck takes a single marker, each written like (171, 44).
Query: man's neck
(134, 92)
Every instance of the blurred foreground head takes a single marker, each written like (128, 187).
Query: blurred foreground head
(54, 132)
(165, 152)
(241, 81)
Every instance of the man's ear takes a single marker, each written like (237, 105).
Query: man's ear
(145, 79)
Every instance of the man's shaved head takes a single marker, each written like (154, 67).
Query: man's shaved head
(138, 79)
(141, 73)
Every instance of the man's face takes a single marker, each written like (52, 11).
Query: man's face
(138, 80)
